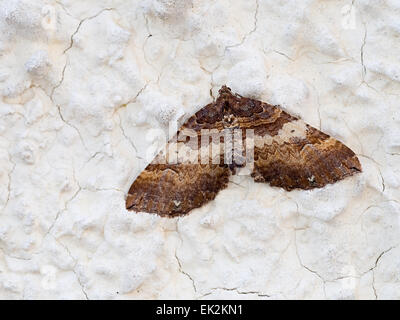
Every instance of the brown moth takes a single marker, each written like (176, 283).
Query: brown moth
(287, 153)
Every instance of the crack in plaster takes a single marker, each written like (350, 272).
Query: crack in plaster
(131, 100)
(232, 46)
(66, 203)
(120, 120)
(178, 260)
(374, 267)
(364, 69)
(9, 182)
(127, 138)
(51, 96)
(259, 294)
(298, 254)
(185, 273)
(247, 34)
(80, 24)
(284, 55)
(64, 9)
(378, 165)
(74, 267)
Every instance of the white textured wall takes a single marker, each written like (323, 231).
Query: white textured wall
(84, 83)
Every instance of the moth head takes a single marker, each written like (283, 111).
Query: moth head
(225, 92)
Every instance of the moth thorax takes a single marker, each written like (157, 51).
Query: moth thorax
(230, 121)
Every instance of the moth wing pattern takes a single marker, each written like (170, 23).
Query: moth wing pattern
(170, 189)
(288, 153)
(311, 159)
(174, 190)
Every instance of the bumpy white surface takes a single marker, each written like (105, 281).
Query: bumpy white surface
(86, 84)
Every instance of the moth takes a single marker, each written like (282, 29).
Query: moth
(286, 153)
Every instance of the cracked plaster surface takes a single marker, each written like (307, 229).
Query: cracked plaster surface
(87, 87)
